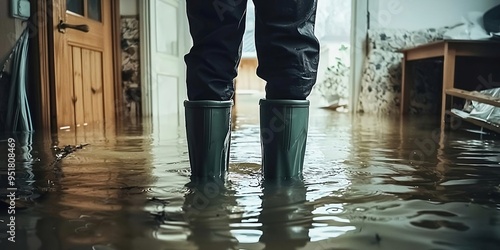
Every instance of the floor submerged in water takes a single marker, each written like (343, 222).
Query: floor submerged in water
(369, 183)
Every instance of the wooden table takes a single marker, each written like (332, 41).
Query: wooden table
(449, 50)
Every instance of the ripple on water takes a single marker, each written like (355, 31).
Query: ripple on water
(360, 191)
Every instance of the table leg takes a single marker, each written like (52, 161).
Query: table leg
(406, 86)
(448, 80)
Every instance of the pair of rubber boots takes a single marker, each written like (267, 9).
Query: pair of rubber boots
(283, 135)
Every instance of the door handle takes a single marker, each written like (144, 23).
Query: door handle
(62, 26)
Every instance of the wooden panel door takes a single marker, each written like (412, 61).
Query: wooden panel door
(83, 64)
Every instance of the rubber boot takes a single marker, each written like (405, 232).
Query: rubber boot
(283, 134)
(208, 131)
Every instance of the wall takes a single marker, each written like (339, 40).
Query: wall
(10, 29)
(333, 30)
(131, 83)
(333, 19)
(129, 7)
(413, 15)
(381, 77)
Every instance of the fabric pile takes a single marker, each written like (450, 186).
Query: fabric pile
(481, 111)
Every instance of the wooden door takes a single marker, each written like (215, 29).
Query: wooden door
(83, 64)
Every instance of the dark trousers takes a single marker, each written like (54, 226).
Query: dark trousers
(287, 50)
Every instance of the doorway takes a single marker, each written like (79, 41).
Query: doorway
(165, 40)
(336, 81)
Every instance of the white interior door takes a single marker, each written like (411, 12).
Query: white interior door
(164, 29)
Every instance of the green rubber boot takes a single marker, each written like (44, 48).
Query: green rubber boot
(283, 135)
(208, 131)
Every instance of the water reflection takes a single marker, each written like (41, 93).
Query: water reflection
(88, 194)
(130, 189)
(24, 178)
(18, 185)
(207, 210)
(286, 216)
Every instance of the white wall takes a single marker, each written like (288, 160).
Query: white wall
(333, 21)
(413, 15)
(129, 7)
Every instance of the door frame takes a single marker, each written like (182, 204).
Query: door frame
(145, 54)
(42, 63)
(359, 31)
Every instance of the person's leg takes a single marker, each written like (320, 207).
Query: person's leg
(287, 49)
(217, 29)
(288, 54)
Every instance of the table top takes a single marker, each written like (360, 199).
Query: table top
(452, 41)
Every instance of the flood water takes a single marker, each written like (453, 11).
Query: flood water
(369, 183)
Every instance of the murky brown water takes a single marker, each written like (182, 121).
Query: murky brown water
(370, 183)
